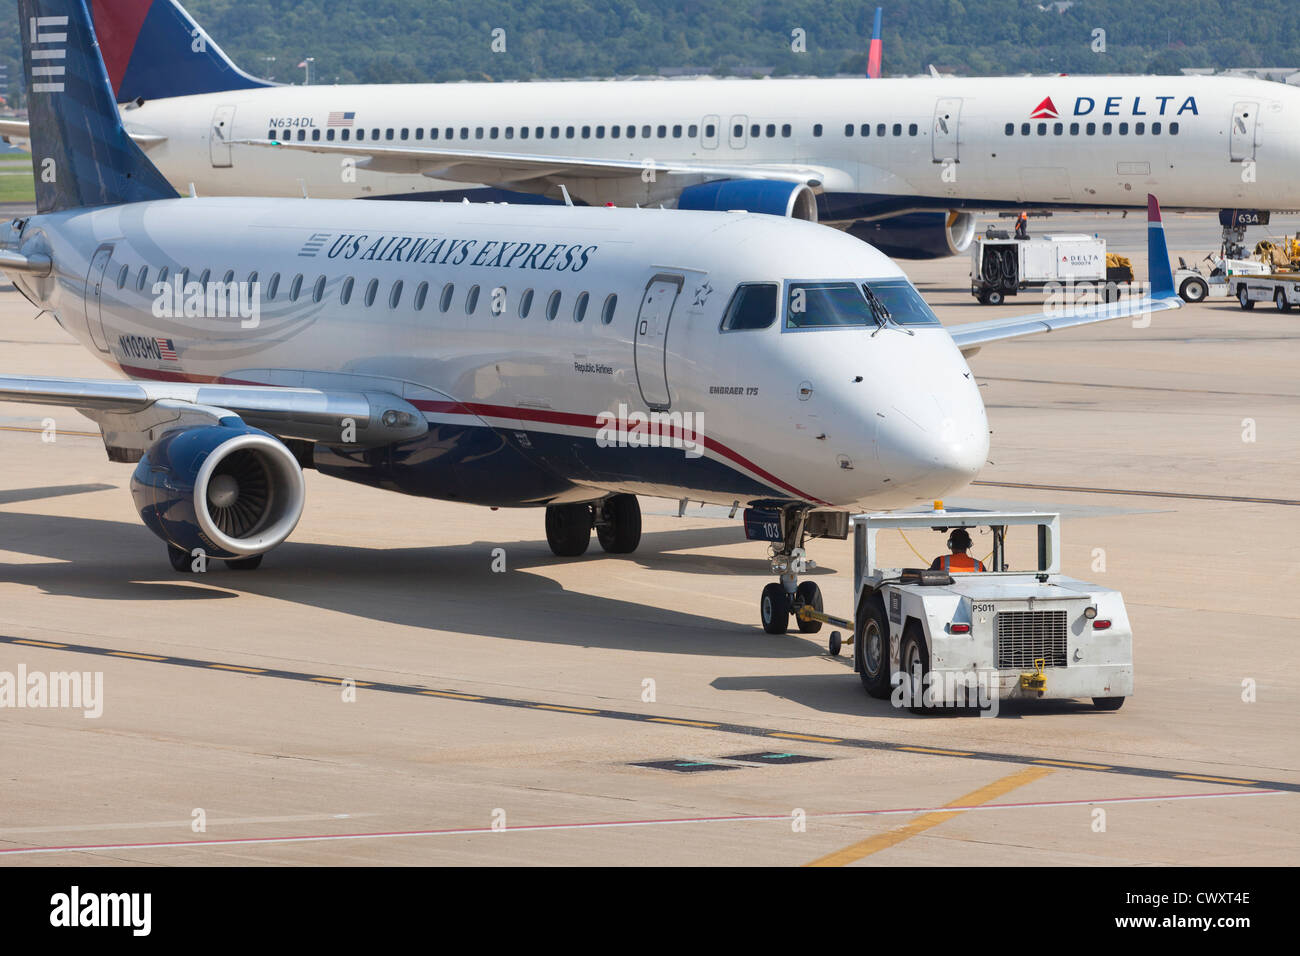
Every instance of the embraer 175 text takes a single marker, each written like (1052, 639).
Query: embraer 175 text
(901, 163)
(498, 355)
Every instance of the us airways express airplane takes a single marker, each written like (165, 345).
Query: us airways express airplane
(565, 357)
(901, 163)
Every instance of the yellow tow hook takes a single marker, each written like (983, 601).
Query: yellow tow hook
(1037, 680)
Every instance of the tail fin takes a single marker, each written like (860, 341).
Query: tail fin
(81, 155)
(153, 49)
(877, 48)
(1158, 269)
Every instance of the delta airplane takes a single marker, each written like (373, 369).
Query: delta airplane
(501, 355)
(901, 163)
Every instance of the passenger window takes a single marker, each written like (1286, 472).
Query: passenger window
(318, 290)
(771, 130)
(785, 131)
(1058, 129)
(880, 129)
(1042, 129)
(753, 306)
(1155, 129)
(471, 300)
(229, 277)
(1011, 128)
(607, 310)
(600, 132)
(162, 274)
(388, 134)
(406, 132)
(253, 288)
(898, 129)
(586, 132)
(1139, 128)
(1123, 129)
(912, 129)
(580, 307)
(273, 286)
(444, 303)
(395, 296)
(615, 132)
(1024, 129)
(492, 134)
(525, 303)
(345, 293)
(848, 129)
(817, 129)
(1092, 129)
(645, 132)
(1074, 129)
(553, 306)
(295, 287)
(663, 131)
(372, 290)
(315, 135)
(203, 278)
(753, 131)
(693, 131)
(1105, 129)
(419, 132)
(498, 304)
(142, 279)
(345, 135)
(421, 293)
(1173, 129)
(185, 277)
(122, 276)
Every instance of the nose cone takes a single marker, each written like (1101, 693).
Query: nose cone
(933, 434)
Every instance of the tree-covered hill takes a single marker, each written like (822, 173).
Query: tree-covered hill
(411, 40)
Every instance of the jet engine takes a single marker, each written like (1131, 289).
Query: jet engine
(232, 490)
(775, 198)
(919, 235)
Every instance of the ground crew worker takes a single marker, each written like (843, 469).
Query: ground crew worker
(1022, 225)
(958, 561)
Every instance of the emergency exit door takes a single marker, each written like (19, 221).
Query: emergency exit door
(651, 348)
(94, 296)
(944, 140)
(223, 130)
(1242, 137)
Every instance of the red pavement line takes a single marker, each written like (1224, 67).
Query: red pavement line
(613, 824)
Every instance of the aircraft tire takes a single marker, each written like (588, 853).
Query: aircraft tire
(622, 532)
(809, 593)
(774, 609)
(568, 529)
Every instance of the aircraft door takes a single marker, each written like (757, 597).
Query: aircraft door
(651, 348)
(709, 127)
(94, 296)
(737, 131)
(223, 130)
(1242, 137)
(944, 136)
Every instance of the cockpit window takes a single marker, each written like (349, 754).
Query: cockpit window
(753, 306)
(854, 304)
(905, 305)
(816, 305)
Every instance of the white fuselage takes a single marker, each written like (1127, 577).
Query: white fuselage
(886, 146)
(837, 417)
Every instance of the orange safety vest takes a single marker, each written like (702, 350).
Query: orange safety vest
(960, 563)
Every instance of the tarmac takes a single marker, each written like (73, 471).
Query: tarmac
(378, 694)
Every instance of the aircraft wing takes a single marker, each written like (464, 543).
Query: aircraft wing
(480, 166)
(132, 415)
(17, 129)
(970, 337)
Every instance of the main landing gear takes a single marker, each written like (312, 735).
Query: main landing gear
(617, 520)
(787, 596)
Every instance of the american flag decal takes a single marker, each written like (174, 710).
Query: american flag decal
(340, 119)
(167, 349)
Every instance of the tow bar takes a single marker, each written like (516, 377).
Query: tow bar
(1037, 680)
(835, 642)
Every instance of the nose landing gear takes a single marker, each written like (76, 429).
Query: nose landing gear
(788, 596)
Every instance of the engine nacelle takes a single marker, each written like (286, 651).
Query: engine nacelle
(770, 196)
(919, 235)
(232, 490)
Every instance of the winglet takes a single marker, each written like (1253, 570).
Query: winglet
(1158, 268)
(874, 54)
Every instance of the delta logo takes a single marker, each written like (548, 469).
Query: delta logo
(1120, 106)
(1045, 110)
